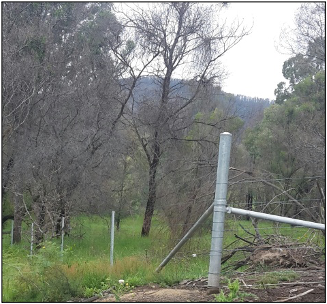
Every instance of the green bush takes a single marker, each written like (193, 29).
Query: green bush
(42, 279)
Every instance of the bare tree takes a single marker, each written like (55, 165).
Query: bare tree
(59, 104)
(309, 35)
(181, 38)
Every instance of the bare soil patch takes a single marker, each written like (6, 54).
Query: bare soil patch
(308, 287)
(150, 294)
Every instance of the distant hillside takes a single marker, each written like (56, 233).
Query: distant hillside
(243, 106)
(246, 107)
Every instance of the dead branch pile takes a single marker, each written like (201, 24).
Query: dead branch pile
(272, 251)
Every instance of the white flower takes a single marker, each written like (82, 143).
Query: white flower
(121, 281)
(194, 255)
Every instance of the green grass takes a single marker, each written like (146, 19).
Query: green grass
(275, 277)
(84, 268)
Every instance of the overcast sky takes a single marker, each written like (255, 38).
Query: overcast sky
(254, 65)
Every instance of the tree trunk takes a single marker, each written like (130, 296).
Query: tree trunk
(186, 224)
(152, 191)
(249, 202)
(148, 216)
(118, 219)
(5, 177)
(121, 197)
(62, 213)
(151, 201)
(18, 219)
(39, 233)
(17, 236)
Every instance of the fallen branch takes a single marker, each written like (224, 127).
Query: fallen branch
(244, 240)
(257, 234)
(227, 257)
(88, 300)
(246, 230)
(283, 283)
(297, 296)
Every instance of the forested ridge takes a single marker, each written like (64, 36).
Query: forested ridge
(96, 116)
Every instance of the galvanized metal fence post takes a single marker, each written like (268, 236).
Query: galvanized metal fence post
(112, 236)
(219, 209)
(62, 236)
(32, 238)
(12, 233)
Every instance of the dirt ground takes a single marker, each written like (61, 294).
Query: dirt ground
(309, 287)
